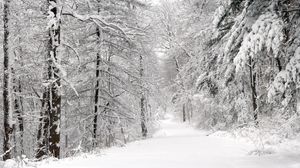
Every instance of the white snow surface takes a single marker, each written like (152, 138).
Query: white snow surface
(178, 145)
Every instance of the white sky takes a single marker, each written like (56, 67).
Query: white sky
(158, 1)
(155, 1)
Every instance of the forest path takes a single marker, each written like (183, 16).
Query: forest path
(178, 145)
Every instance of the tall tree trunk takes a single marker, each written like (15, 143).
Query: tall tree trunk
(110, 120)
(97, 85)
(253, 89)
(51, 97)
(18, 110)
(97, 91)
(55, 96)
(18, 99)
(7, 95)
(43, 129)
(143, 100)
(184, 113)
(181, 84)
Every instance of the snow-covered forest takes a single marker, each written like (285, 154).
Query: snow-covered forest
(213, 78)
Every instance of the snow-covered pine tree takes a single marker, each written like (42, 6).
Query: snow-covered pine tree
(235, 66)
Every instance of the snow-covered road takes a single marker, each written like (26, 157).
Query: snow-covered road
(179, 146)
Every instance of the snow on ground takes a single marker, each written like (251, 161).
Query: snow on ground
(179, 146)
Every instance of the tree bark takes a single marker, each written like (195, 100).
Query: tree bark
(97, 91)
(143, 100)
(183, 113)
(51, 105)
(18, 110)
(42, 136)
(7, 95)
(253, 89)
(97, 85)
(55, 98)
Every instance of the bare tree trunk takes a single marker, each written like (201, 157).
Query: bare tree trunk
(97, 91)
(110, 89)
(18, 110)
(50, 139)
(97, 86)
(143, 100)
(55, 97)
(183, 113)
(43, 129)
(182, 87)
(7, 95)
(253, 90)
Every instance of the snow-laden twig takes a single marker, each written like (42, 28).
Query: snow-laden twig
(73, 49)
(97, 19)
(71, 86)
(8, 151)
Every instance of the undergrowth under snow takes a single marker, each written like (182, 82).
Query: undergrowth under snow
(178, 145)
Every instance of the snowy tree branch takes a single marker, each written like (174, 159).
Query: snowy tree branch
(97, 20)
